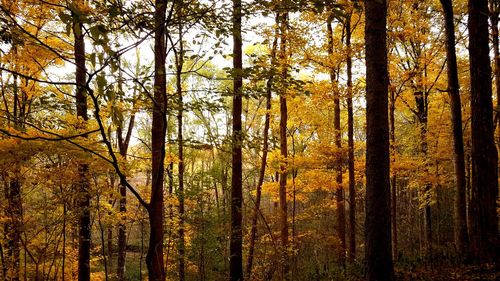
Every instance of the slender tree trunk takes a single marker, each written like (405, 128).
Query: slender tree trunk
(378, 213)
(484, 228)
(180, 143)
(83, 185)
(262, 171)
(285, 268)
(63, 262)
(394, 209)
(154, 257)
(236, 256)
(421, 112)
(13, 226)
(123, 144)
(350, 145)
(461, 236)
(338, 143)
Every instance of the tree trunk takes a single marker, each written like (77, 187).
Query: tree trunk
(350, 145)
(265, 148)
(154, 257)
(180, 143)
(484, 228)
(13, 226)
(236, 257)
(378, 213)
(338, 145)
(461, 236)
(123, 144)
(394, 209)
(83, 185)
(284, 151)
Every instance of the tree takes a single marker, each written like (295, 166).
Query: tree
(461, 236)
(350, 139)
(283, 173)
(179, 63)
(236, 239)
(154, 258)
(484, 226)
(123, 146)
(338, 144)
(81, 111)
(378, 214)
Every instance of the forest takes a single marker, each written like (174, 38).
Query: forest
(278, 140)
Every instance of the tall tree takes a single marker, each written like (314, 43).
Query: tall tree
(461, 236)
(235, 251)
(154, 258)
(338, 145)
(350, 140)
(179, 59)
(283, 174)
(81, 112)
(484, 226)
(378, 214)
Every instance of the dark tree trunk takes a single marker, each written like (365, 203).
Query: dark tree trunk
(83, 185)
(285, 268)
(13, 226)
(154, 257)
(236, 256)
(378, 213)
(461, 236)
(338, 144)
(263, 163)
(484, 228)
(350, 145)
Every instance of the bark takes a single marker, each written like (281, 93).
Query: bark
(378, 214)
(350, 145)
(484, 226)
(262, 171)
(284, 152)
(236, 257)
(154, 257)
(461, 236)
(84, 231)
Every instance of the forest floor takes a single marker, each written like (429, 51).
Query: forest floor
(488, 272)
